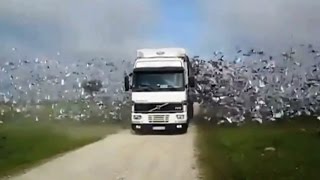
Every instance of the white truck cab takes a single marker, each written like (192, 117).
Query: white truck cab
(160, 87)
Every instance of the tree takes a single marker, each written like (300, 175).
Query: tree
(91, 86)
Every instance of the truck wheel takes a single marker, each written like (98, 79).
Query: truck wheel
(183, 130)
(132, 131)
(137, 132)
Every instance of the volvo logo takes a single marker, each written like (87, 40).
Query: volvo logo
(158, 107)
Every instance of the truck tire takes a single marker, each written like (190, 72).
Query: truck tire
(137, 132)
(183, 130)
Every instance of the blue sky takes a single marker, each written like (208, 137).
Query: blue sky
(180, 24)
(118, 28)
(174, 23)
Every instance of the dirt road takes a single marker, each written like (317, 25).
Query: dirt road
(124, 156)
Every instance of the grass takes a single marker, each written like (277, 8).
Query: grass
(239, 152)
(26, 143)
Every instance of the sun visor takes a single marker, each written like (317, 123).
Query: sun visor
(162, 63)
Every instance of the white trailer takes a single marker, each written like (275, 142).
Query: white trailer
(160, 85)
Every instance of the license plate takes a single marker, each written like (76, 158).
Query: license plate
(159, 128)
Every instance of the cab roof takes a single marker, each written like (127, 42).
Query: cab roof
(161, 52)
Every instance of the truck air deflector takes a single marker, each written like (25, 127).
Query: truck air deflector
(158, 69)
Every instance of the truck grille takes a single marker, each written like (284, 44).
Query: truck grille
(164, 108)
(158, 118)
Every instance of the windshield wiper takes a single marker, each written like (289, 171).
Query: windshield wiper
(144, 87)
(172, 88)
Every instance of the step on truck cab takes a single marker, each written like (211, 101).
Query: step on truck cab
(160, 90)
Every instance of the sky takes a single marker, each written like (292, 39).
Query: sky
(83, 28)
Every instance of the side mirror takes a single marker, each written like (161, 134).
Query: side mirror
(126, 83)
(191, 81)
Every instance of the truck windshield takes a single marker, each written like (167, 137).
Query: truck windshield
(158, 81)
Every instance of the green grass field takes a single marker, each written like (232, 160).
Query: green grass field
(242, 152)
(33, 133)
(25, 142)
(225, 152)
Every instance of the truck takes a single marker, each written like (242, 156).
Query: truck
(160, 85)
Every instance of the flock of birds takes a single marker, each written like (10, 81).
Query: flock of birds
(258, 86)
(28, 85)
(253, 85)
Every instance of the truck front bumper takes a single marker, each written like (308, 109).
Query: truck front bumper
(159, 121)
(164, 127)
(159, 118)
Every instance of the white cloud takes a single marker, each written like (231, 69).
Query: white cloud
(269, 24)
(79, 26)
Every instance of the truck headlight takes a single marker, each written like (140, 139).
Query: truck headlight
(180, 116)
(137, 117)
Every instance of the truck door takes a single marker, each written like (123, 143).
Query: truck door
(189, 91)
